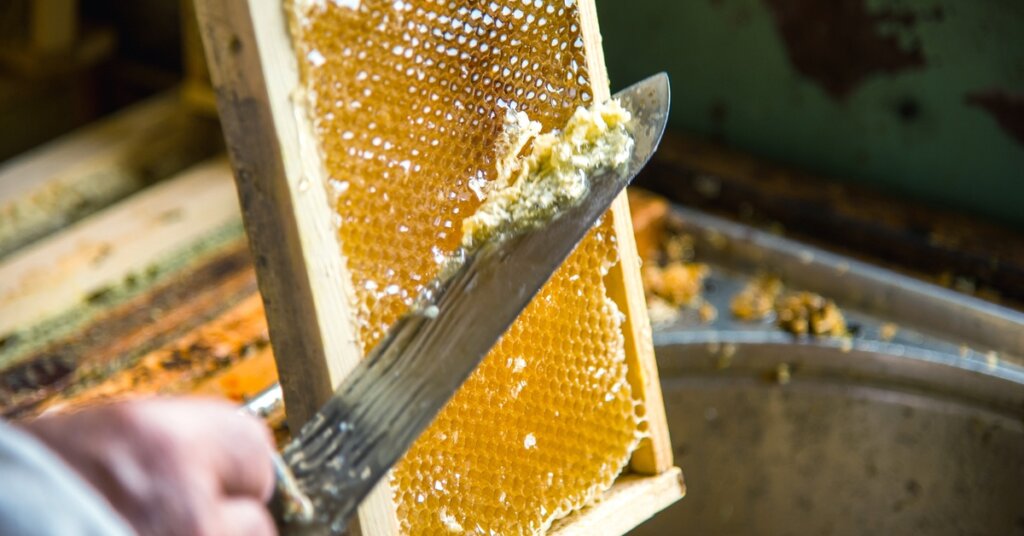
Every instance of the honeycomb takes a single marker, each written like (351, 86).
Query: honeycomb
(407, 101)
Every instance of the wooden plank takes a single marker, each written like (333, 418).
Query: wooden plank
(91, 347)
(67, 179)
(631, 501)
(654, 454)
(281, 186)
(57, 273)
(237, 335)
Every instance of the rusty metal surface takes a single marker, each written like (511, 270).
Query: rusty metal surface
(1005, 107)
(922, 98)
(811, 31)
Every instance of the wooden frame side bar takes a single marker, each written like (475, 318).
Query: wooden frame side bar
(279, 176)
(654, 455)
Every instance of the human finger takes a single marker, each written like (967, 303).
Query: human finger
(243, 463)
(245, 517)
(235, 448)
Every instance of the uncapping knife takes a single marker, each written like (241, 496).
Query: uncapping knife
(395, 393)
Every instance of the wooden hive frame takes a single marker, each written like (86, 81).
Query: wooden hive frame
(63, 234)
(298, 260)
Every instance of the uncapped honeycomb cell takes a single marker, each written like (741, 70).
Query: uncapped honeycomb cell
(408, 100)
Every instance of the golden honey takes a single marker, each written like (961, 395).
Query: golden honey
(408, 101)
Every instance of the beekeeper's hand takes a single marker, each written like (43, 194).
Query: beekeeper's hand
(170, 466)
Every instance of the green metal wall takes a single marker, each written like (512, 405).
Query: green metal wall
(919, 97)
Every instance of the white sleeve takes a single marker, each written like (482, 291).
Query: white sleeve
(42, 496)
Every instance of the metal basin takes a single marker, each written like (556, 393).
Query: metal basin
(917, 433)
(848, 446)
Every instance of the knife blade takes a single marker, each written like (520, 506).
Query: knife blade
(396, 391)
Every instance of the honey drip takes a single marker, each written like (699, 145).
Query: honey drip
(408, 101)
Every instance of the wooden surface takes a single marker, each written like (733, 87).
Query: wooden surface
(654, 454)
(58, 273)
(281, 187)
(65, 180)
(71, 362)
(238, 335)
(631, 501)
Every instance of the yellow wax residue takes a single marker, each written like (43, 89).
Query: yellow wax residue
(554, 175)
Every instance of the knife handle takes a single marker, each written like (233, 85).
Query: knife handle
(288, 504)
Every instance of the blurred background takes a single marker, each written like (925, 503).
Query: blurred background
(865, 156)
(918, 98)
(66, 63)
